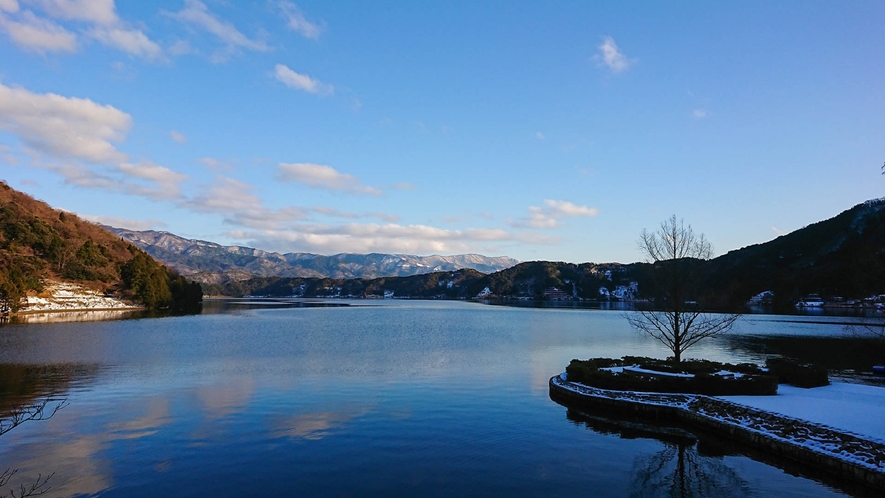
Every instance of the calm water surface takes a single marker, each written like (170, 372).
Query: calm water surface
(372, 399)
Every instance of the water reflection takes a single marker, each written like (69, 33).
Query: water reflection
(704, 464)
(361, 398)
(680, 469)
(74, 316)
(313, 426)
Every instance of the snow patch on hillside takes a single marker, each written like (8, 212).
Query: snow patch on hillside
(62, 296)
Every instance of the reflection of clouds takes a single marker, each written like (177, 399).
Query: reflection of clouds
(156, 416)
(226, 396)
(72, 456)
(73, 461)
(313, 426)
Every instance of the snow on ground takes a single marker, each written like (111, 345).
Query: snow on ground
(61, 296)
(855, 408)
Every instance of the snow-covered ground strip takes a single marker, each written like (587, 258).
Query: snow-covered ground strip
(816, 435)
(61, 296)
(852, 408)
(658, 373)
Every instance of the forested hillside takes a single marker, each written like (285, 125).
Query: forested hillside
(838, 257)
(440, 285)
(38, 243)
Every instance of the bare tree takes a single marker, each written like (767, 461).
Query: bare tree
(678, 321)
(40, 410)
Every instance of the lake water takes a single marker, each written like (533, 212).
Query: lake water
(377, 398)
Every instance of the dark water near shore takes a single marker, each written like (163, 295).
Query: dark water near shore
(370, 399)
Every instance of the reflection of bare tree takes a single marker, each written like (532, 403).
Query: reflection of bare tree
(680, 471)
(40, 410)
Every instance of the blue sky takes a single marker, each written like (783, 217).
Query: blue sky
(538, 130)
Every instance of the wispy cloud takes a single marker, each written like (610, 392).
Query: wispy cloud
(611, 57)
(241, 207)
(9, 6)
(336, 213)
(297, 81)
(39, 34)
(540, 136)
(76, 138)
(36, 34)
(296, 21)
(93, 11)
(177, 137)
(124, 222)
(132, 41)
(324, 177)
(699, 113)
(197, 14)
(372, 237)
(215, 164)
(548, 217)
(64, 127)
(779, 231)
(167, 181)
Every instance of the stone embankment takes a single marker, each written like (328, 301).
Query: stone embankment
(62, 296)
(840, 453)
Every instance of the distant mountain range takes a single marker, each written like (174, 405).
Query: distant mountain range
(212, 263)
(843, 256)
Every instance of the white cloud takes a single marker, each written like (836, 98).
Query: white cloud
(125, 179)
(779, 231)
(124, 222)
(327, 211)
(699, 113)
(566, 208)
(165, 180)
(73, 130)
(64, 127)
(324, 177)
(226, 195)
(177, 137)
(9, 6)
(92, 11)
(215, 164)
(181, 47)
(549, 216)
(239, 205)
(196, 13)
(131, 41)
(372, 237)
(540, 136)
(296, 21)
(36, 34)
(39, 34)
(298, 81)
(611, 57)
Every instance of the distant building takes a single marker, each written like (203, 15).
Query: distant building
(604, 293)
(626, 292)
(764, 297)
(555, 294)
(484, 293)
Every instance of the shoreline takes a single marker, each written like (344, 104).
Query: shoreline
(74, 310)
(840, 453)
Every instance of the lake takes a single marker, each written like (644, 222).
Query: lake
(370, 398)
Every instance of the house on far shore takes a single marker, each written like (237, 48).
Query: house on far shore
(555, 294)
(484, 293)
(764, 297)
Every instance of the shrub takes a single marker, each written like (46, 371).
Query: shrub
(753, 382)
(789, 371)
